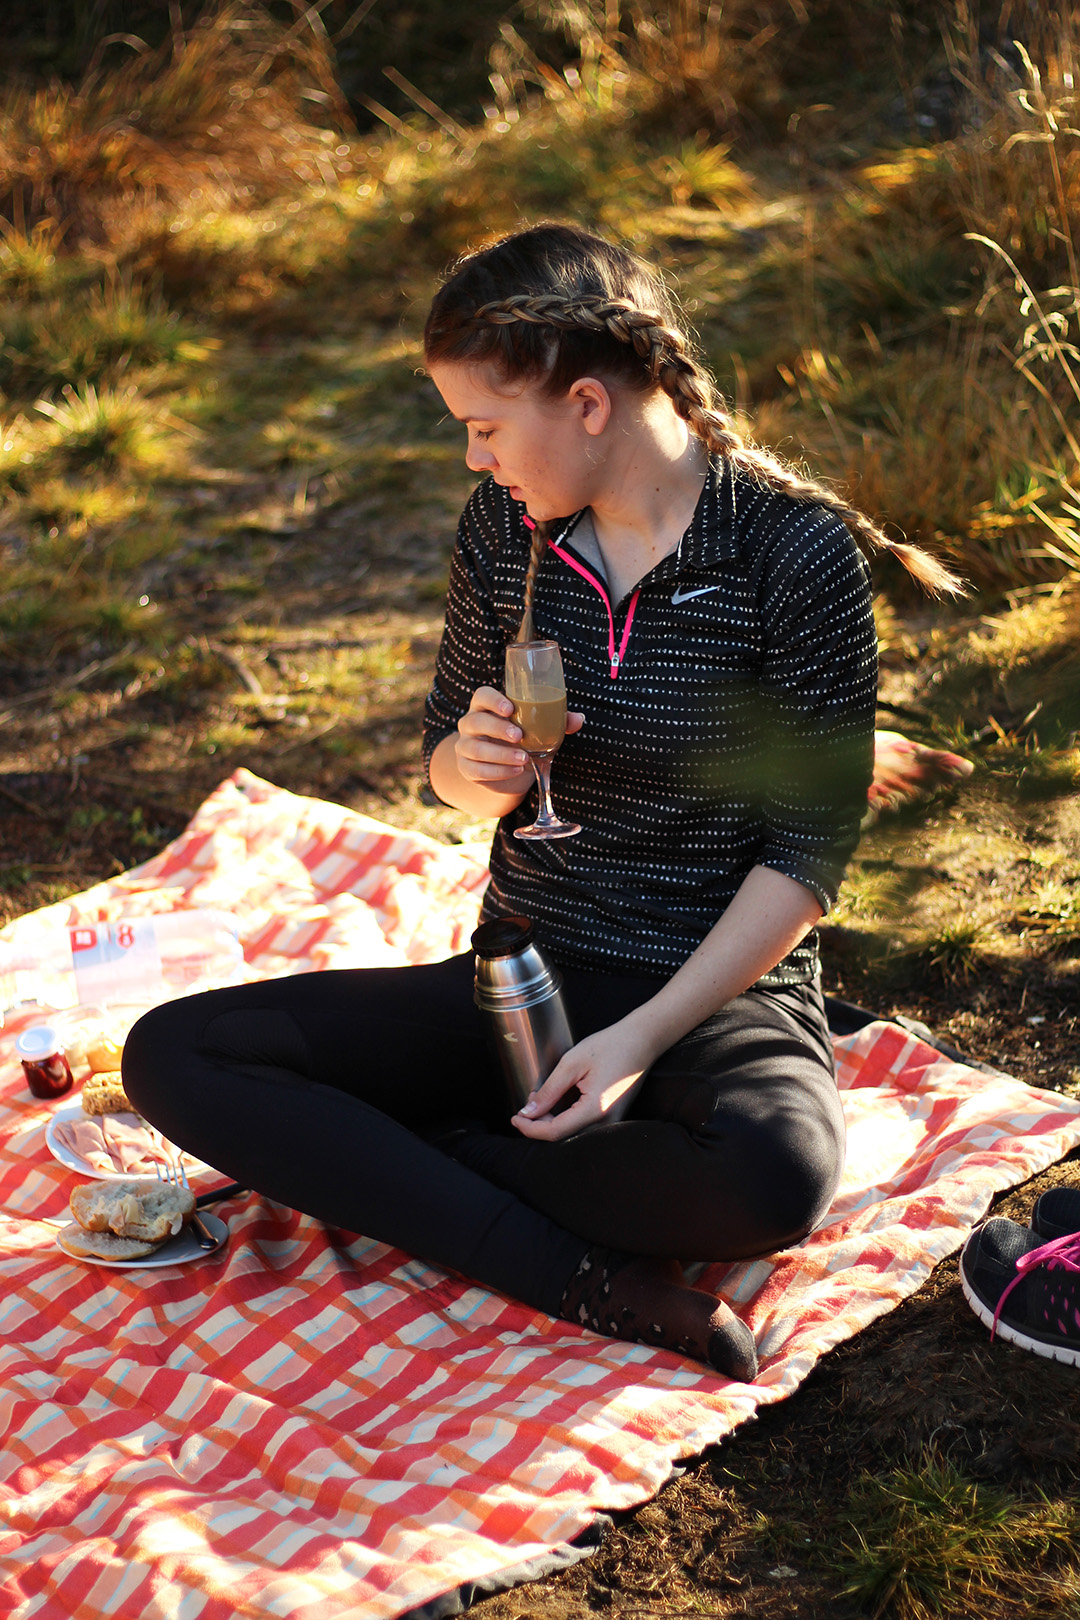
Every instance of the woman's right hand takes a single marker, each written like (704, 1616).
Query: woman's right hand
(487, 749)
(481, 767)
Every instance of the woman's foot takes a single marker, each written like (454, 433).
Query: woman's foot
(907, 770)
(630, 1296)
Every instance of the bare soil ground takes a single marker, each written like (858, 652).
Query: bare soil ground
(305, 657)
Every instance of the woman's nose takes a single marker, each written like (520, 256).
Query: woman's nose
(478, 458)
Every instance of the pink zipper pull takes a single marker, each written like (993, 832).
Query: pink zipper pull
(617, 657)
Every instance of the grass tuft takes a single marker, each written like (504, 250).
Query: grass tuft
(92, 337)
(112, 430)
(927, 1542)
(958, 945)
(20, 443)
(30, 262)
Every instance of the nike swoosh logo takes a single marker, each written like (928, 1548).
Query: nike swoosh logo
(687, 596)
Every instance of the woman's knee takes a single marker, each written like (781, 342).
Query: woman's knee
(769, 1182)
(152, 1050)
(182, 1038)
(791, 1180)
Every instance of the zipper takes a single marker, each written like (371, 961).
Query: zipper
(615, 656)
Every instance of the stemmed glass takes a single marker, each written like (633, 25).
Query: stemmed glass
(537, 689)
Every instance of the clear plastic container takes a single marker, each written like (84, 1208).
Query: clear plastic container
(132, 960)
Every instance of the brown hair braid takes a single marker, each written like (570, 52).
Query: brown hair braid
(541, 533)
(584, 307)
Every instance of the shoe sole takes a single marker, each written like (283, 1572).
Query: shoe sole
(1038, 1347)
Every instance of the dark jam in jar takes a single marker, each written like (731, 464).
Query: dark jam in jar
(47, 1070)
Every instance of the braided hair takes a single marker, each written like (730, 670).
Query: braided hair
(554, 303)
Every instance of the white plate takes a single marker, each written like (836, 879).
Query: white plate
(177, 1252)
(72, 1109)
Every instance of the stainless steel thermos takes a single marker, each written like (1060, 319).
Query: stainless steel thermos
(520, 994)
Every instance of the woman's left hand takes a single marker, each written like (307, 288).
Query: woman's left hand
(606, 1068)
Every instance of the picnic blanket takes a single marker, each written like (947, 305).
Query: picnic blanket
(309, 1424)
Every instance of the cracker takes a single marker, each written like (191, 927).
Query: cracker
(104, 1094)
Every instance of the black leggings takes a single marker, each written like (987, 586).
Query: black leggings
(332, 1092)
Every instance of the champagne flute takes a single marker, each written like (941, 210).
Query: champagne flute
(536, 688)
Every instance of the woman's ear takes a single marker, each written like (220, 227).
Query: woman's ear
(592, 403)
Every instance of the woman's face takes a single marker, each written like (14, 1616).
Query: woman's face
(546, 452)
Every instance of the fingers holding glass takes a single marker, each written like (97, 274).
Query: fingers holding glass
(488, 746)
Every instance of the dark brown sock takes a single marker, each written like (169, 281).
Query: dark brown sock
(631, 1296)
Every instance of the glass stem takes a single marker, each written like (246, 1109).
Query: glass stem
(541, 764)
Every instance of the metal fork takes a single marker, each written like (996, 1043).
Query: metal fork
(175, 1174)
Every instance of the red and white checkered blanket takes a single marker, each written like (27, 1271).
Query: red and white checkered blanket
(311, 1425)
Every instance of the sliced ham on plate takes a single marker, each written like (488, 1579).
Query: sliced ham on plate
(116, 1144)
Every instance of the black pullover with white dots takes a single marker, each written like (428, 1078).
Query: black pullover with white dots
(729, 707)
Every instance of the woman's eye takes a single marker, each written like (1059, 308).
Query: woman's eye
(483, 433)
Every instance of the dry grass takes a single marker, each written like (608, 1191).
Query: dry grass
(215, 117)
(929, 373)
(210, 286)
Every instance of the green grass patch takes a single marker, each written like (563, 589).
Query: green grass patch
(927, 1542)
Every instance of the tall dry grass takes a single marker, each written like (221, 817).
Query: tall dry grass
(910, 326)
(931, 343)
(1018, 189)
(228, 111)
(138, 208)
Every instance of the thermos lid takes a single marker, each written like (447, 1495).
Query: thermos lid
(503, 936)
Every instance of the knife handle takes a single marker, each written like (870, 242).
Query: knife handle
(203, 1235)
(216, 1194)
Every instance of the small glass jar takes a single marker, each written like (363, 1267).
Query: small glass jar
(45, 1064)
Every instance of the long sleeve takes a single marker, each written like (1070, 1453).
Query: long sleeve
(473, 643)
(818, 688)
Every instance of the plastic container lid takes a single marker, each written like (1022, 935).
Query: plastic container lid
(39, 1041)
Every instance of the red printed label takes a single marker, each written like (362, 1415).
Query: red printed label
(116, 961)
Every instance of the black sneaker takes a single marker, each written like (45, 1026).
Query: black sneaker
(1024, 1288)
(1056, 1213)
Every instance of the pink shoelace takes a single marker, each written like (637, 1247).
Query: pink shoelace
(1060, 1254)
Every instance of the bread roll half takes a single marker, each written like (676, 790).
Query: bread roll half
(148, 1210)
(76, 1241)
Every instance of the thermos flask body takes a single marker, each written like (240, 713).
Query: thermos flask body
(520, 994)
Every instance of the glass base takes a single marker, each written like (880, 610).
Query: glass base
(551, 829)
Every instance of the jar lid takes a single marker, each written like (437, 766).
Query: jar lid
(502, 936)
(39, 1041)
